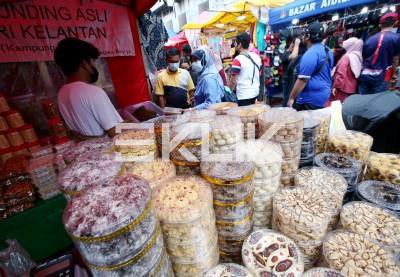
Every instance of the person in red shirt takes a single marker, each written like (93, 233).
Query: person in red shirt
(348, 69)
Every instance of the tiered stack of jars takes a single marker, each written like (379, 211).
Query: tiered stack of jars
(226, 132)
(156, 173)
(355, 255)
(116, 231)
(303, 214)
(384, 167)
(268, 253)
(87, 171)
(189, 152)
(324, 120)
(329, 184)
(136, 144)
(267, 157)
(352, 143)
(385, 195)
(222, 108)
(185, 210)
(232, 185)
(309, 143)
(249, 117)
(284, 126)
(344, 165)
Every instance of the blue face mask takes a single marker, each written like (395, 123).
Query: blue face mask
(173, 67)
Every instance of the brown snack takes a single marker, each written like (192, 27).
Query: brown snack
(384, 167)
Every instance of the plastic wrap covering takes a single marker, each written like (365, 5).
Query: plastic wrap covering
(15, 260)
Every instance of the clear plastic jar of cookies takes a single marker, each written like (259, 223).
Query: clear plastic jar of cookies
(353, 143)
(322, 272)
(222, 108)
(344, 165)
(228, 269)
(384, 167)
(311, 250)
(287, 180)
(235, 228)
(186, 168)
(249, 117)
(355, 256)
(324, 121)
(291, 150)
(268, 253)
(136, 144)
(14, 118)
(232, 244)
(233, 210)
(308, 144)
(301, 213)
(198, 268)
(372, 221)
(283, 125)
(157, 172)
(226, 132)
(112, 222)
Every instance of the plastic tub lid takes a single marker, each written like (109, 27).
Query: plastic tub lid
(276, 115)
(249, 111)
(342, 164)
(228, 269)
(310, 123)
(383, 194)
(226, 122)
(104, 209)
(223, 106)
(352, 136)
(192, 130)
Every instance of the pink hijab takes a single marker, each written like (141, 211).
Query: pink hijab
(353, 47)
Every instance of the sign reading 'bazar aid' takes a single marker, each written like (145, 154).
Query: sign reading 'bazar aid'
(30, 30)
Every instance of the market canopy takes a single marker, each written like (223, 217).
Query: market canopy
(229, 19)
(306, 8)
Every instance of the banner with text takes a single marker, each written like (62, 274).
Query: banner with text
(30, 30)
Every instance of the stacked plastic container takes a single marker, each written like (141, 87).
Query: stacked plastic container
(384, 167)
(385, 195)
(226, 132)
(309, 143)
(328, 183)
(185, 210)
(222, 108)
(116, 231)
(267, 157)
(249, 117)
(232, 185)
(344, 165)
(284, 126)
(303, 214)
(268, 253)
(324, 121)
(354, 255)
(137, 144)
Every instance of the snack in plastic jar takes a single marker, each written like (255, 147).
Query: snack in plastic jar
(355, 256)
(353, 143)
(344, 165)
(282, 125)
(235, 228)
(186, 168)
(384, 167)
(383, 194)
(308, 145)
(199, 268)
(3, 124)
(112, 222)
(324, 120)
(229, 269)
(232, 244)
(322, 272)
(157, 172)
(14, 118)
(235, 257)
(138, 144)
(4, 142)
(196, 141)
(302, 213)
(230, 181)
(375, 223)
(226, 131)
(311, 250)
(14, 137)
(236, 210)
(71, 151)
(291, 150)
(249, 117)
(84, 173)
(289, 167)
(223, 107)
(268, 253)
(200, 116)
(28, 133)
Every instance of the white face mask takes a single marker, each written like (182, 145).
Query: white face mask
(394, 30)
(197, 66)
(173, 67)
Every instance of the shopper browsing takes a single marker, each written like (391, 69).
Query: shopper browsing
(313, 85)
(210, 87)
(347, 70)
(291, 54)
(381, 51)
(85, 108)
(186, 62)
(174, 84)
(245, 72)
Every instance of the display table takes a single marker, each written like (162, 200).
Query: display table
(39, 230)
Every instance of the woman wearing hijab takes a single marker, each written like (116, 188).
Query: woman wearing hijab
(210, 88)
(348, 69)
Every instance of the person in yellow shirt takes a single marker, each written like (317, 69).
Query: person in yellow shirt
(174, 84)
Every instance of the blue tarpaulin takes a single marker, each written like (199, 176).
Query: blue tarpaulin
(306, 8)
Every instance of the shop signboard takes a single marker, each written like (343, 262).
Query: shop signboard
(306, 8)
(30, 30)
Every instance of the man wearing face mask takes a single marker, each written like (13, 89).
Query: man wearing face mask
(174, 84)
(85, 108)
